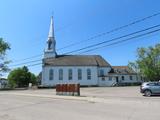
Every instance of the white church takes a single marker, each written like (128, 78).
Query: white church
(87, 70)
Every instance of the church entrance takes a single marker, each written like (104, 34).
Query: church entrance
(117, 80)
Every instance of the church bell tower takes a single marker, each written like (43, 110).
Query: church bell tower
(50, 50)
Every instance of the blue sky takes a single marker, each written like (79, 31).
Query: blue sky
(25, 24)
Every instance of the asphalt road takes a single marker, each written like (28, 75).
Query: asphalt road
(116, 103)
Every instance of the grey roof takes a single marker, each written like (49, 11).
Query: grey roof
(76, 60)
(121, 70)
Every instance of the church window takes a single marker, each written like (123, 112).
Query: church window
(79, 74)
(88, 74)
(60, 74)
(49, 44)
(122, 77)
(51, 74)
(101, 72)
(110, 78)
(70, 74)
(103, 78)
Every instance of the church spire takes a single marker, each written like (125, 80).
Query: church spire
(51, 29)
(50, 50)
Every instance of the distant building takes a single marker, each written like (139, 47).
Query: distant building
(88, 70)
(3, 83)
(123, 75)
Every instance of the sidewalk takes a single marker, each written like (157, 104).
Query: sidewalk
(80, 98)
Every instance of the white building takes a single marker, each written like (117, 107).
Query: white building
(3, 83)
(88, 70)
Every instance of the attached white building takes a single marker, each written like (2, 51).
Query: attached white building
(88, 70)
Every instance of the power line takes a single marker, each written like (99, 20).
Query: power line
(114, 39)
(34, 65)
(110, 41)
(98, 35)
(31, 65)
(118, 42)
(27, 62)
(28, 58)
(113, 30)
(121, 41)
(38, 55)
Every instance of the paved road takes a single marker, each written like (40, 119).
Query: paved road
(121, 103)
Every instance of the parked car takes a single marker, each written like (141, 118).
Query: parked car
(150, 88)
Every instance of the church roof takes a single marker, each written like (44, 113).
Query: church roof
(76, 60)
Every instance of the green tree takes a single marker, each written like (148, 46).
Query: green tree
(33, 78)
(21, 77)
(4, 46)
(148, 62)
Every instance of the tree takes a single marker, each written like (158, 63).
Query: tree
(4, 46)
(148, 62)
(39, 78)
(21, 77)
(33, 78)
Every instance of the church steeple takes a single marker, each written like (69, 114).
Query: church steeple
(50, 50)
(51, 29)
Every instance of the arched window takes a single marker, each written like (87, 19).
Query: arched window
(51, 74)
(70, 74)
(88, 74)
(79, 74)
(60, 74)
(122, 77)
(49, 44)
